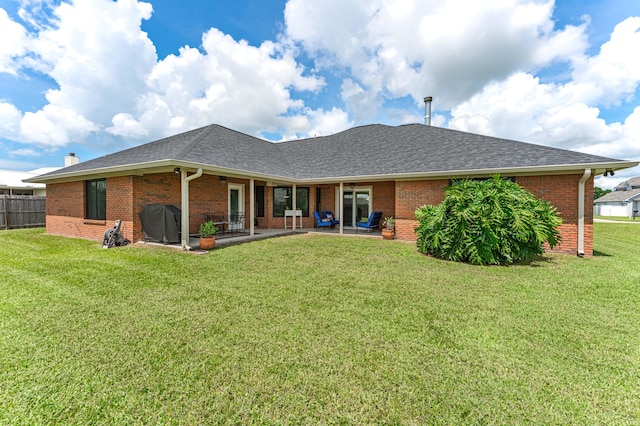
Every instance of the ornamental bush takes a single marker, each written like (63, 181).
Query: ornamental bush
(491, 222)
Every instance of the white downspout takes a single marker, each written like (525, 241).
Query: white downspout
(583, 179)
(185, 205)
(341, 202)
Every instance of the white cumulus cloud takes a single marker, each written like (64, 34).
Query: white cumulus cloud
(54, 126)
(566, 115)
(109, 79)
(451, 50)
(98, 55)
(12, 46)
(9, 120)
(228, 82)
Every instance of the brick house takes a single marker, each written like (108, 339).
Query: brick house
(363, 169)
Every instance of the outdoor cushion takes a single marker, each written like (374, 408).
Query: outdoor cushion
(321, 222)
(372, 223)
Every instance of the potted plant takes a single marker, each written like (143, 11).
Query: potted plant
(207, 235)
(388, 228)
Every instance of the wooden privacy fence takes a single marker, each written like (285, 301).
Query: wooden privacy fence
(22, 211)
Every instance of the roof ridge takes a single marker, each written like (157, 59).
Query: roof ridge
(279, 147)
(193, 142)
(311, 138)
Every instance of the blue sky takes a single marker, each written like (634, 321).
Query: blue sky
(96, 76)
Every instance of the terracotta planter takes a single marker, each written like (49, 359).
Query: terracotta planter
(207, 243)
(388, 234)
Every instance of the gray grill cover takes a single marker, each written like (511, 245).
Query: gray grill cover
(161, 222)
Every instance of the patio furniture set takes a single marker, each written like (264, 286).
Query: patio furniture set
(327, 220)
(228, 225)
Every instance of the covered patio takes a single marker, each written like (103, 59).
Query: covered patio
(262, 234)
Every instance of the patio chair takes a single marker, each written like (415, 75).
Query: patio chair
(219, 219)
(372, 223)
(236, 222)
(322, 223)
(328, 214)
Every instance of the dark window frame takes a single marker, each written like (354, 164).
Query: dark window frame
(259, 201)
(22, 192)
(318, 199)
(96, 199)
(279, 206)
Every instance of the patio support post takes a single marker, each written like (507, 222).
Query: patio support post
(252, 207)
(341, 208)
(294, 204)
(581, 182)
(184, 204)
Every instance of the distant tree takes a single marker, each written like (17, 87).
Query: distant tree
(495, 221)
(599, 192)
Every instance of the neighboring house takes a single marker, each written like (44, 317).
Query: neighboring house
(16, 183)
(624, 199)
(11, 182)
(363, 169)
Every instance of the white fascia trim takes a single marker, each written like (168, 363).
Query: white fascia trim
(632, 198)
(140, 169)
(553, 169)
(157, 166)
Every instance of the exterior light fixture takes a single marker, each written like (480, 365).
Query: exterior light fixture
(176, 170)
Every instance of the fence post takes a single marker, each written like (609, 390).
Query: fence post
(6, 213)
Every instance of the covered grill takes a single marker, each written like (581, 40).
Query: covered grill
(161, 223)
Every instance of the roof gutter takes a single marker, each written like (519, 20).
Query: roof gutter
(184, 214)
(168, 165)
(151, 167)
(550, 169)
(581, 184)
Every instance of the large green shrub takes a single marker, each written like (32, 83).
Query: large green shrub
(494, 221)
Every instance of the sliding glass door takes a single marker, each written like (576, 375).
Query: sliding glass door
(356, 203)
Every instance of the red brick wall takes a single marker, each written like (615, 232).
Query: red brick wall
(120, 205)
(66, 209)
(409, 196)
(560, 190)
(327, 199)
(207, 195)
(384, 198)
(65, 212)
(66, 199)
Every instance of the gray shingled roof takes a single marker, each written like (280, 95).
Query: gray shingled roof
(618, 196)
(633, 182)
(212, 145)
(361, 151)
(414, 148)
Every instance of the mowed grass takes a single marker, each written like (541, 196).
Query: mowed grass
(619, 218)
(314, 329)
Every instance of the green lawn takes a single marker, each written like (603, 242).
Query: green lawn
(315, 329)
(619, 218)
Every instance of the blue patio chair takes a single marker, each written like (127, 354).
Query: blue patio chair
(372, 223)
(321, 223)
(328, 214)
